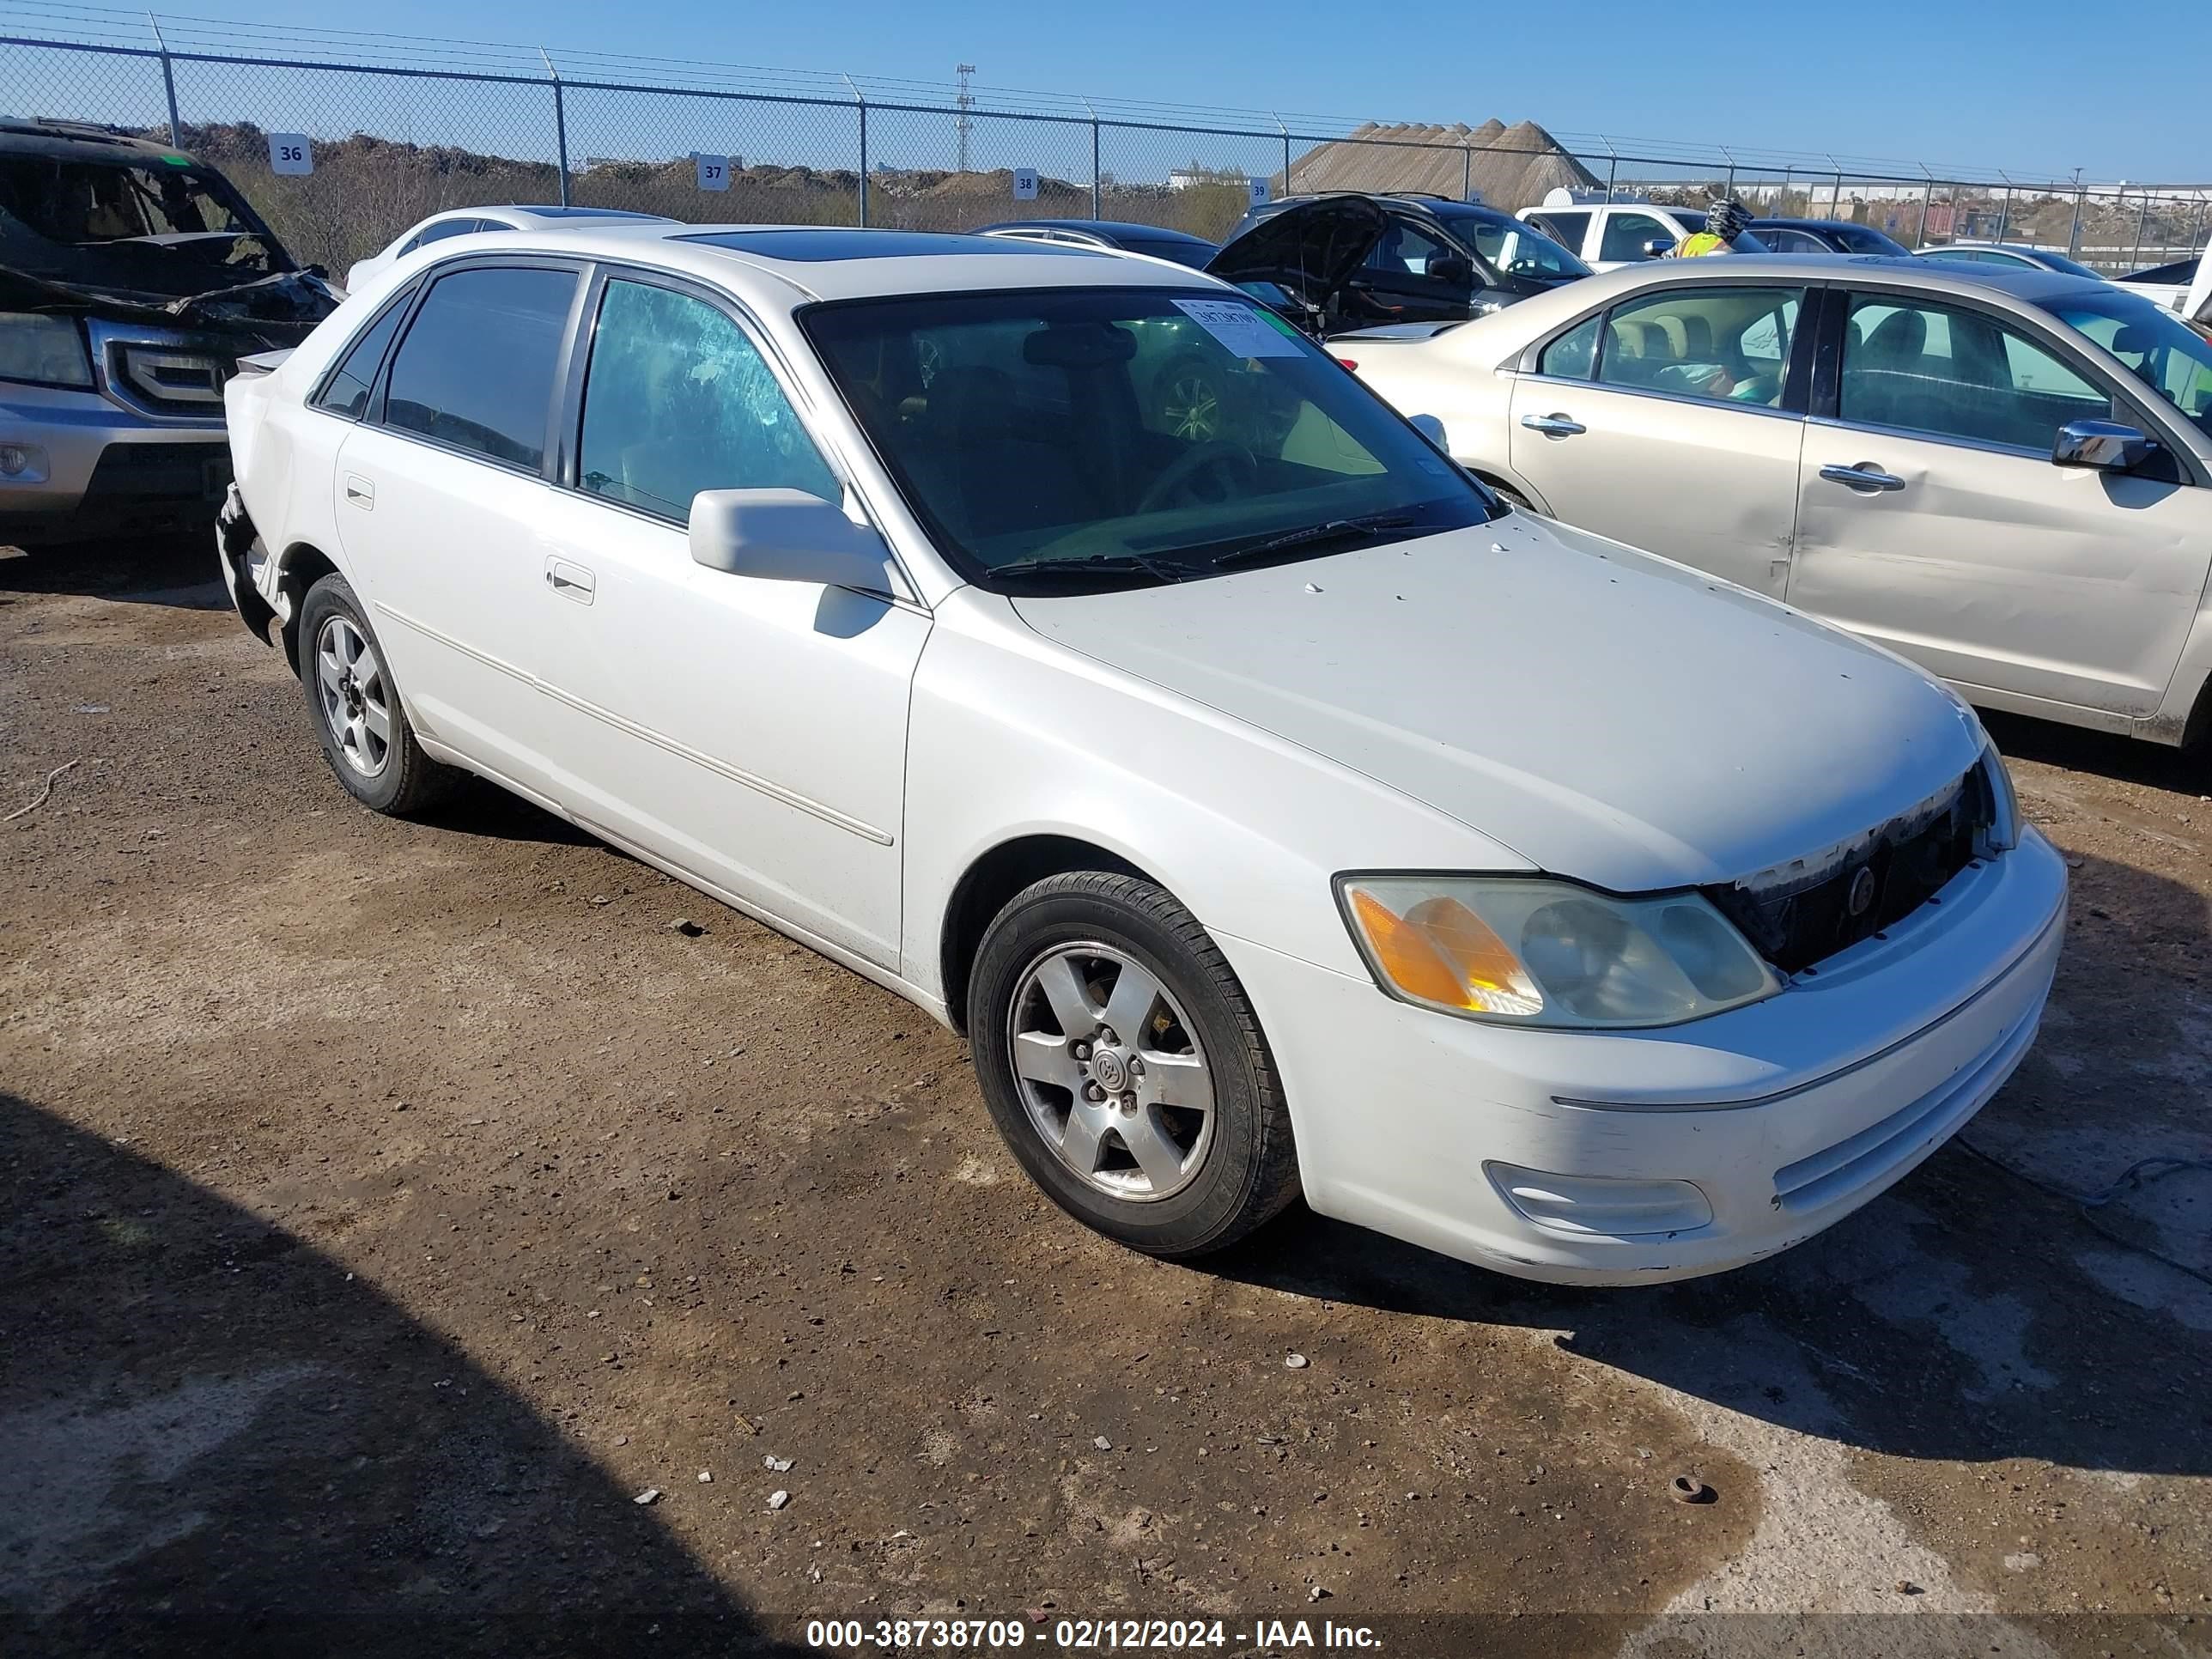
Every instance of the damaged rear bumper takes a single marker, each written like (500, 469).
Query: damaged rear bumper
(239, 553)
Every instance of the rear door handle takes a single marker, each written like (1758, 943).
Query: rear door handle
(1553, 426)
(570, 580)
(1866, 476)
(360, 492)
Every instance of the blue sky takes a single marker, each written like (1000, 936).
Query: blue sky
(2031, 86)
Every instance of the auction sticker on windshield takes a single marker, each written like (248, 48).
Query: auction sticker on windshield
(1241, 328)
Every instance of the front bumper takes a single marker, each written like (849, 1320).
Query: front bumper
(1783, 1117)
(101, 470)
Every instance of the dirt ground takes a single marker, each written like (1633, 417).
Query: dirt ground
(387, 1207)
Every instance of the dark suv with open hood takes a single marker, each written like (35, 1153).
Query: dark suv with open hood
(1353, 260)
(132, 279)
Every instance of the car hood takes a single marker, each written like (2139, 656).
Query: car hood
(1607, 715)
(1310, 250)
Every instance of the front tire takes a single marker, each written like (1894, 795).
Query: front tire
(355, 705)
(1125, 1068)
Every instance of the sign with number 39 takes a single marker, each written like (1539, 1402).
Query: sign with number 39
(290, 154)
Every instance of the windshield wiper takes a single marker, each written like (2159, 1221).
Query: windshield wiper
(1373, 524)
(1115, 564)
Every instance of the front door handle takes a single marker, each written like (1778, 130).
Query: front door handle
(1865, 476)
(570, 580)
(1554, 425)
(360, 492)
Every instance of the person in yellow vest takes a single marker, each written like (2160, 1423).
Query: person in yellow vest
(1725, 220)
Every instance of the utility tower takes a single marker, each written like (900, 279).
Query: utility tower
(964, 124)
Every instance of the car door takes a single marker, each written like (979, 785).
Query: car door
(749, 732)
(1672, 422)
(442, 495)
(1932, 520)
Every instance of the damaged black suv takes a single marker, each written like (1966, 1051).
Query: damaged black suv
(132, 279)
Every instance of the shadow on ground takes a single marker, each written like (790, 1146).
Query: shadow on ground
(1951, 1317)
(179, 571)
(2075, 749)
(220, 1441)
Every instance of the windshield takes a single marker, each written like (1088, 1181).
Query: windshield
(146, 226)
(1132, 435)
(1517, 249)
(2171, 359)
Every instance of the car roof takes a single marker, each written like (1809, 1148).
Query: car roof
(545, 211)
(1102, 227)
(785, 266)
(2030, 284)
(1443, 207)
(1818, 224)
(79, 140)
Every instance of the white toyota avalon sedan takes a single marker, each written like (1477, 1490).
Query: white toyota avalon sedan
(1273, 810)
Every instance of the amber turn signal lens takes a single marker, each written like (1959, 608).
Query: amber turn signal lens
(1405, 955)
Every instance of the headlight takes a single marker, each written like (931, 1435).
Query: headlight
(48, 349)
(1536, 952)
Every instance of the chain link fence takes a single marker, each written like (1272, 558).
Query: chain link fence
(401, 130)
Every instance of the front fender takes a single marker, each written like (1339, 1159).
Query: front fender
(1010, 735)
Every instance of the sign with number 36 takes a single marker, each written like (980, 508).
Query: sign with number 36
(290, 153)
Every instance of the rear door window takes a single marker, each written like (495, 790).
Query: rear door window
(1725, 345)
(477, 368)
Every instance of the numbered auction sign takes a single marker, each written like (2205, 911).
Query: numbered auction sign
(1260, 192)
(1025, 184)
(713, 172)
(290, 153)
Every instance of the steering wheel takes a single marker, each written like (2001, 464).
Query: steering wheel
(1233, 465)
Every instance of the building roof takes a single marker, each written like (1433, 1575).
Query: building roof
(1507, 166)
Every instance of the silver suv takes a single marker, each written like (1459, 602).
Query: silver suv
(132, 279)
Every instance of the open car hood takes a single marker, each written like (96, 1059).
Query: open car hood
(281, 308)
(1310, 250)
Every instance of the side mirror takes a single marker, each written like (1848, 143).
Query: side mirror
(787, 536)
(2107, 445)
(1431, 428)
(1658, 247)
(1452, 270)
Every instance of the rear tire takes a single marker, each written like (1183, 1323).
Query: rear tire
(1093, 984)
(357, 709)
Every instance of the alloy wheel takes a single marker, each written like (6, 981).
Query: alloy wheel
(357, 698)
(1110, 1071)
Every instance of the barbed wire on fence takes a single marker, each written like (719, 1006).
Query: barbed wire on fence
(403, 126)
